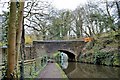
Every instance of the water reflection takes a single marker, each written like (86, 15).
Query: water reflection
(63, 60)
(64, 65)
(81, 70)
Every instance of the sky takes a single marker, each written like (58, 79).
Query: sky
(70, 4)
(67, 4)
(59, 4)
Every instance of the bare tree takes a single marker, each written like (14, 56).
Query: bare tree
(78, 22)
(37, 17)
(118, 11)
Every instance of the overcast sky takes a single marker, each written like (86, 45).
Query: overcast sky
(67, 4)
(59, 4)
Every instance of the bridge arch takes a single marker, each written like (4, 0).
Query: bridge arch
(71, 55)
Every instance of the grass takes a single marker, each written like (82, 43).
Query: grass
(55, 54)
(64, 76)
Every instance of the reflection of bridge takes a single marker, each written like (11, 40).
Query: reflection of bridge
(72, 47)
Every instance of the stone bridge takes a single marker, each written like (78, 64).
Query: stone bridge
(71, 47)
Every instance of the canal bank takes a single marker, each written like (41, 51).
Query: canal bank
(103, 50)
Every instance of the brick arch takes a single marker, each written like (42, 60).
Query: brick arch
(71, 55)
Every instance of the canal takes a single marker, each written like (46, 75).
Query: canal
(82, 70)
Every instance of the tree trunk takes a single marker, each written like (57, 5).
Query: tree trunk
(22, 55)
(118, 10)
(11, 40)
(90, 32)
(77, 29)
(110, 21)
(19, 32)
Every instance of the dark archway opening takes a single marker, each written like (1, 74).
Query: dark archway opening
(71, 56)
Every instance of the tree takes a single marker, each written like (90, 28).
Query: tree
(95, 19)
(11, 40)
(110, 19)
(78, 19)
(19, 25)
(14, 36)
(118, 12)
(55, 29)
(38, 19)
(65, 18)
(4, 27)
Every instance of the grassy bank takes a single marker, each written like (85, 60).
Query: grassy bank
(103, 50)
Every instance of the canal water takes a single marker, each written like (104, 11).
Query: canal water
(82, 70)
